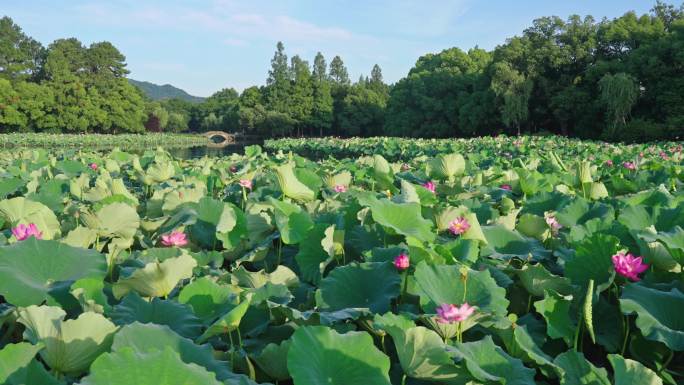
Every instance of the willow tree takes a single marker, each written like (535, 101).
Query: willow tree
(619, 92)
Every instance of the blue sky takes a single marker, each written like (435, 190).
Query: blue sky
(205, 45)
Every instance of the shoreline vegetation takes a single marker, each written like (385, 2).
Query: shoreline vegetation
(30, 139)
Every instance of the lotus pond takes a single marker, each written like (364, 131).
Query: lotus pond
(373, 262)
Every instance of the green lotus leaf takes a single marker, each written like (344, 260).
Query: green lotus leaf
(72, 345)
(20, 210)
(156, 279)
(592, 261)
(388, 320)
(30, 269)
(11, 185)
(273, 360)
(368, 285)
(117, 221)
(446, 166)
(520, 343)
(440, 284)
(89, 293)
(312, 258)
(33, 373)
(159, 172)
(179, 317)
(207, 298)
(488, 362)
(404, 218)
(504, 242)
(174, 200)
(343, 178)
(292, 222)
(382, 173)
(81, 236)
(655, 315)
(574, 369)
(15, 357)
(319, 355)
(422, 354)
(534, 226)
(217, 220)
(281, 275)
(555, 309)
(291, 186)
(145, 338)
(536, 280)
(228, 322)
(158, 367)
(630, 372)
(580, 210)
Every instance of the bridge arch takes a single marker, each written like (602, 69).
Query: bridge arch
(227, 138)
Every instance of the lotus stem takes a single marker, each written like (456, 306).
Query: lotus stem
(625, 323)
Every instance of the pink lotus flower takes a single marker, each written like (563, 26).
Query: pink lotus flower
(401, 262)
(609, 163)
(664, 155)
(340, 188)
(430, 186)
(448, 313)
(506, 187)
(93, 166)
(175, 238)
(628, 265)
(246, 183)
(459, 226)
(22, 232)
(629, 165)
(553, 223)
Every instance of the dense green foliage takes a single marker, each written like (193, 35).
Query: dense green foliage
(616, 79)
(163, 92)
(275, 268)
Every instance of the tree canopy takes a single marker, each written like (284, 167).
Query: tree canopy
(613, 79)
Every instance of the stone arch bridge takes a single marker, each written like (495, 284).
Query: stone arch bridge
(227, 138)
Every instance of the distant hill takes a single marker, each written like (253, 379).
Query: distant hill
(167, 91)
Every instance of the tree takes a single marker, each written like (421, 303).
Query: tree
(20, 55)
(338, 72)
(619, 92)
(320, 69)
(363, 111)
(278, 82)
(301, 97)
(514, 90)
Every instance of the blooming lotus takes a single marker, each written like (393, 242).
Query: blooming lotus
(22, 232)
(629, 165)
(340, 188)
(628, 265)
(459, 226)
(449, 313)
(175, 238)
(506, 187)
(93, 166)
(401, 262)
(664, 155)
(246, 183)
(609, 163)
(430, 186)
(553, 223)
